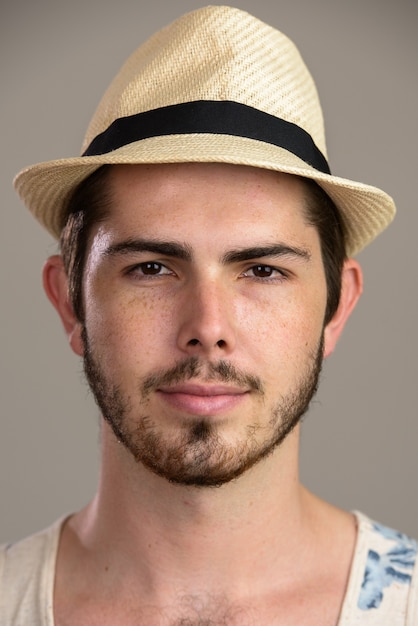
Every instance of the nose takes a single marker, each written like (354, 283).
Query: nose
(205, 325)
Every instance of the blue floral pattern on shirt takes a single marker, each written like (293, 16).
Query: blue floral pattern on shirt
(384, 569)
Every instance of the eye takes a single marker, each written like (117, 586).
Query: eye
(264, 271)
(149, 268)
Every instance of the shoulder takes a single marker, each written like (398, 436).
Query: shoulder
(383, 586)
(27, 570)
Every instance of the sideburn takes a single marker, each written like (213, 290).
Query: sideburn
(88, 206)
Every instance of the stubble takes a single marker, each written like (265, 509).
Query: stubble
(199, 456)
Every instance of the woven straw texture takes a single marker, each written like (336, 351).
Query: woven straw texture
(215, 53)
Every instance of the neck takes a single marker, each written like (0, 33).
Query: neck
(254, 545)
(211, 533)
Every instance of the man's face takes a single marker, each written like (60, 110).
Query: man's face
(204, 299)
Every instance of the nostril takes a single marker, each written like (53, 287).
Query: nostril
(195, 342)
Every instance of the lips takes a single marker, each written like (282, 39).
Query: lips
(204, 400)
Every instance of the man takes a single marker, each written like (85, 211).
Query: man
(205, 271)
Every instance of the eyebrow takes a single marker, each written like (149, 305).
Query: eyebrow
(184, 252)
(257, 252)
(166, 248)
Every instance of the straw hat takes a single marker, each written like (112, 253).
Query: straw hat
(215, 85)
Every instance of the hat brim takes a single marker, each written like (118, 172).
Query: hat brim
(46, 187)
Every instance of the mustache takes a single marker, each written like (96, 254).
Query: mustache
(193, 367)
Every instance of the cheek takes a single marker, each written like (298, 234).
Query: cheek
(285, 322)
(127, 332)
(282, 337)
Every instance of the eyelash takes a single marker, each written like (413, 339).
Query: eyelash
(274, 274)
(142, 266)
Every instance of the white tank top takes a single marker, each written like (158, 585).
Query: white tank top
(382, 589)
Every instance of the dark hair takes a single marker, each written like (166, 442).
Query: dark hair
(322, 213)
(90, 204)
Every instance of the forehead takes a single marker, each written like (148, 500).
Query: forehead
(168, 182)
(205, 201)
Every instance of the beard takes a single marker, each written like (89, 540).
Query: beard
(199, 456)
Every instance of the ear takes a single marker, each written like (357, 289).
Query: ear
(55, 283)
(351, 289)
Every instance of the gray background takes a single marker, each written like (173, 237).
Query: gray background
(359, 443)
